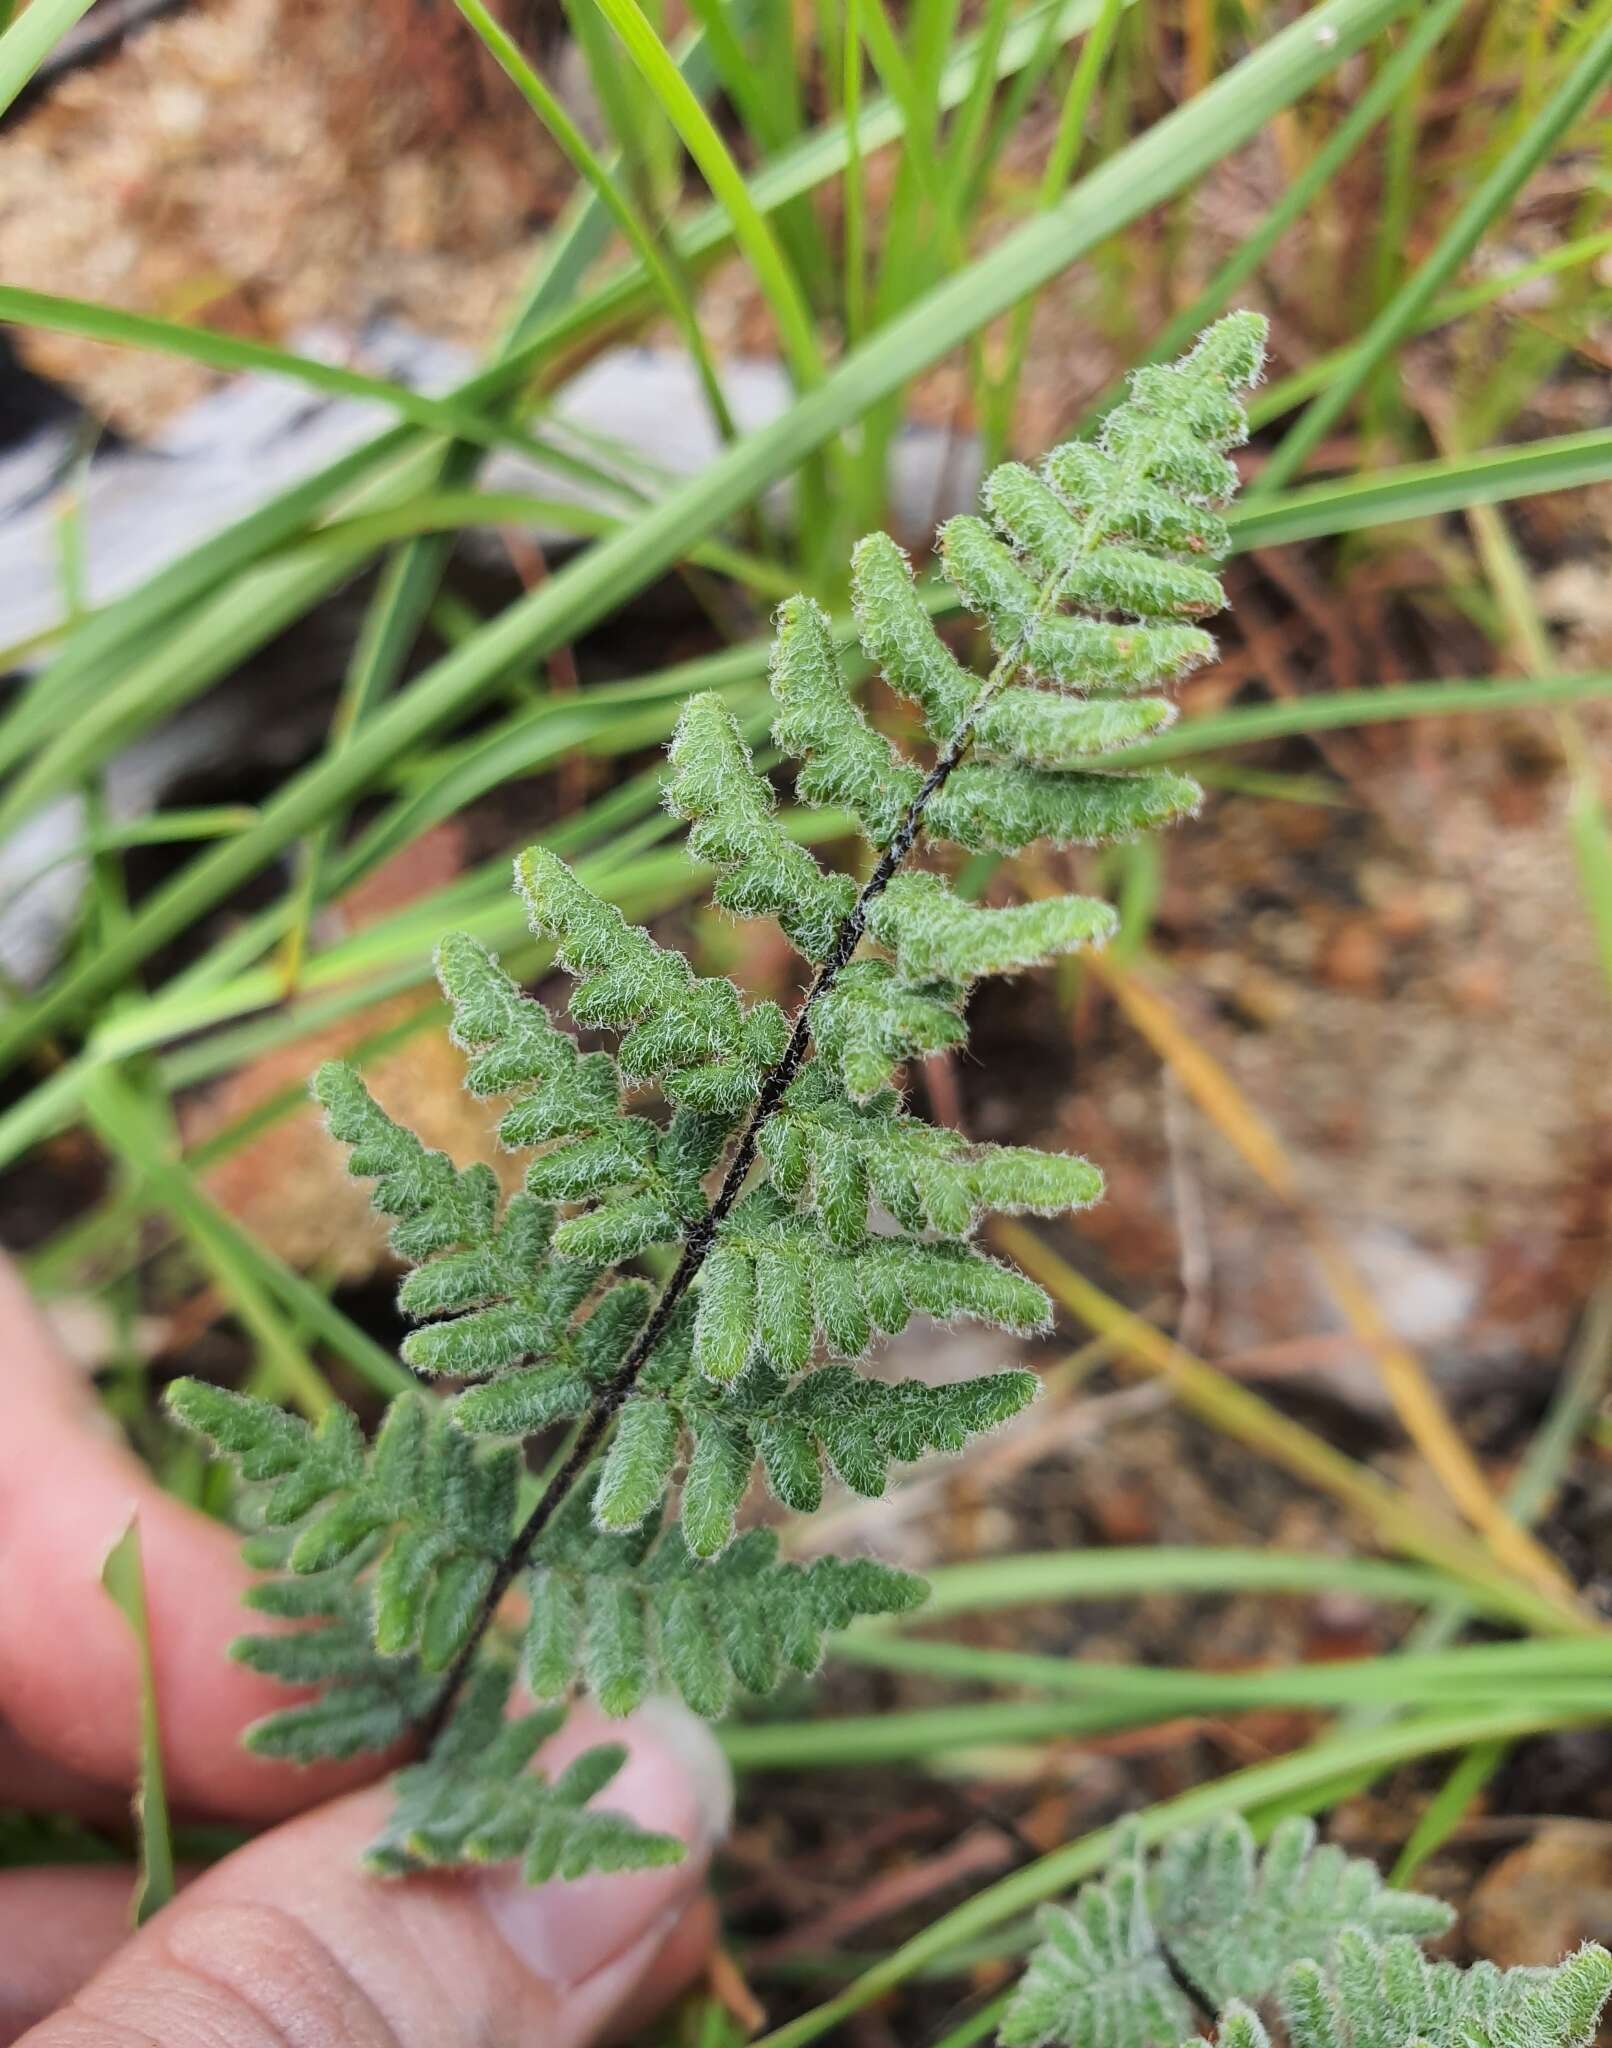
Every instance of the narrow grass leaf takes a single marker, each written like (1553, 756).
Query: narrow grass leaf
(1161, 162)
(123, 1578)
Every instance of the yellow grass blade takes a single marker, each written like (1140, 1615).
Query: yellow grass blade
(1400, 1522)
(1416, 1401)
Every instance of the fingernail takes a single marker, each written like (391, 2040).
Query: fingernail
(676, 1782)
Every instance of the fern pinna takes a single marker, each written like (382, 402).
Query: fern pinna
(805, 1208)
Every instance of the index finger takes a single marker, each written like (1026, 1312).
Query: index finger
(68, 1673)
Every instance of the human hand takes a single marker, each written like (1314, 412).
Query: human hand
(286, 1941)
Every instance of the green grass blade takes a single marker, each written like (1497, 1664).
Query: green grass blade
(1326, 711)
(855, 183)
(126, 1126)
(1591, 838)
(413, 575)
(57, 315)
(541, 326)
(130, 626)
(965, 143)
(1376, 1750)
(208, 640)
(163, 828)
(451, 511)
(771, 124)
(123, 1578)
(989, 1584)
(1487, 1671)
(262, 1290)
(1448, 1807)
(1421, 490)
(1317, 175)
(30, 39)
(1163, 161)
(593, 171)
(1490, 202)
(1289, 392)
(710, 153)
(1061, 161)
(888, 1738)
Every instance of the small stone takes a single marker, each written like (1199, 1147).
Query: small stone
(1355, 958)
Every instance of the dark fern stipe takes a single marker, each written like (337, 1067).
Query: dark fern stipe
(806, 1210)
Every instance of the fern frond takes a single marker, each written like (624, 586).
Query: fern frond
(843, 760)
(833, 1417)
(517, 1049)
(492, 1273)
(576, 1366)
(1019, 723)
(476, 1799)
(1231, 1920)
(437, 1206)
(626, 1614)
(1125, 525)
(426, 1509)
(666, 1200)
(936, 936)
(872, 1021)
(803, 1207)
(1044, 730)
(989, 807)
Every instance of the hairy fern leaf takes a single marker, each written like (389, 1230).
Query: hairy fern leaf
(517, 1049)
(803, 1210)
(424, 1508)
(491, 1272)
(1098, 1974)
(763, 873)
(1234, 1918)
(436, 1206)
(566, 1383)
(1391, 1996)
(367, 1701)
(936, 935)
(844, 762)
(628, 1613)
(1230, 1921)
(832, 1154)
(693, 1034)
(873, 1021)
(776, 1277)
(989, 807)
(834, 1417)
(476, 1799)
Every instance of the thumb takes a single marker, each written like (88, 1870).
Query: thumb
(288, 1944)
